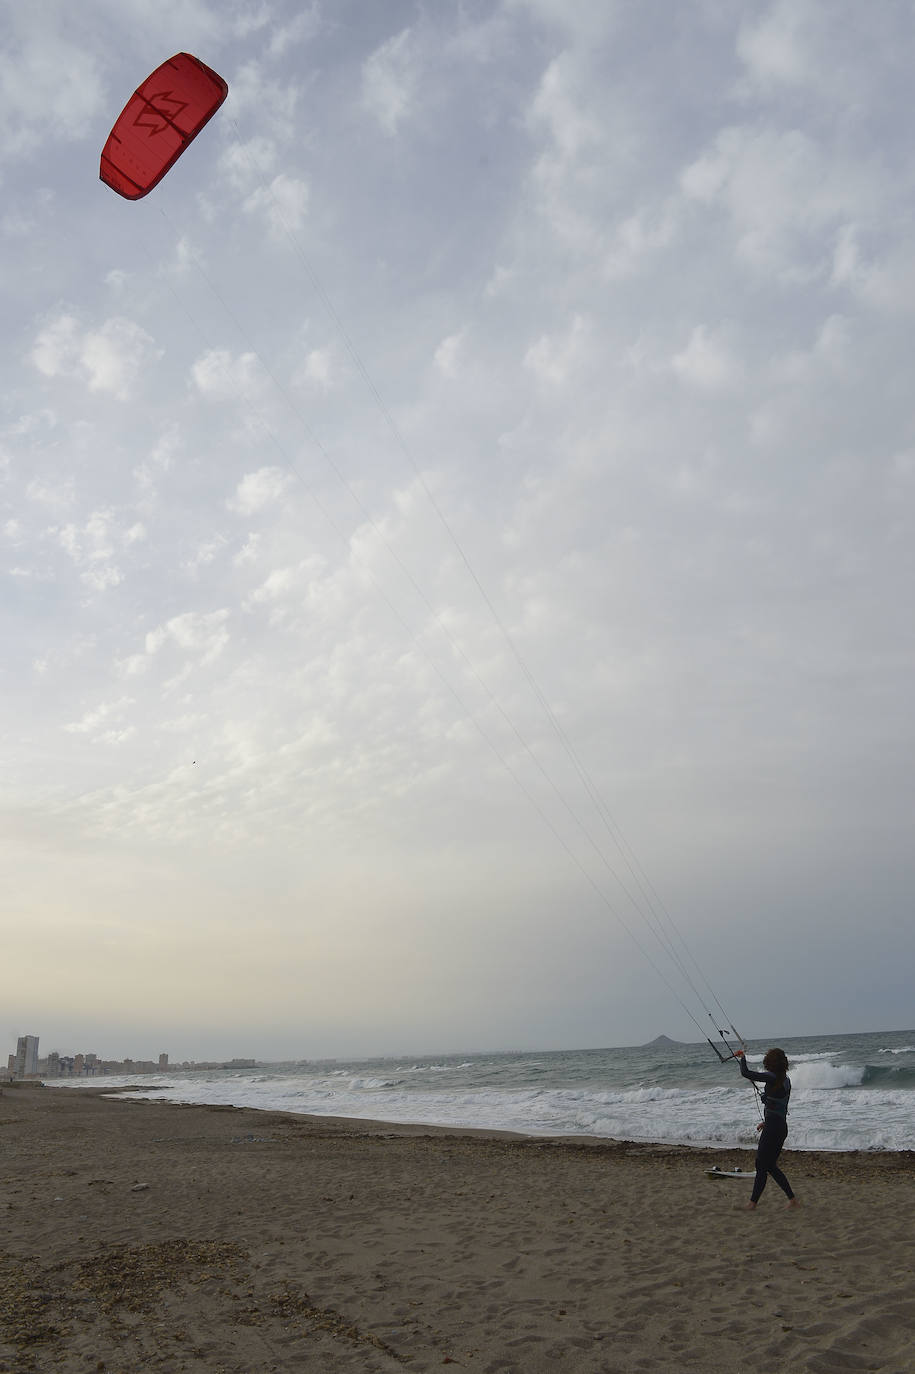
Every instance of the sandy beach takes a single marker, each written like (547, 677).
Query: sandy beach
(147, 1236)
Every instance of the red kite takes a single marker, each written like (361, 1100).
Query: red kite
(164, 114)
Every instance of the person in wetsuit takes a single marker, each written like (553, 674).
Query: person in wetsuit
(773, 1128)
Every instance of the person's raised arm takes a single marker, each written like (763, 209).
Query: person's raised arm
(762, 1076)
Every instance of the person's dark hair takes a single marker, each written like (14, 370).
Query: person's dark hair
(776, 1061)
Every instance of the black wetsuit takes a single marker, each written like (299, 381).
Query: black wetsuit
(775, 1128)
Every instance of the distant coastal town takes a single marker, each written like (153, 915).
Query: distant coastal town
(26, 1064)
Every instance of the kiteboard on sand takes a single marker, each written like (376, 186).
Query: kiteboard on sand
(715, 1172)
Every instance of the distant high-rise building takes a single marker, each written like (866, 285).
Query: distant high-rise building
(163, 1061)
(26, 1056)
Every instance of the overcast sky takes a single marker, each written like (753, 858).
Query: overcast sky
(475, 360)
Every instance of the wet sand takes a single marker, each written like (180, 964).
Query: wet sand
(146, 1236)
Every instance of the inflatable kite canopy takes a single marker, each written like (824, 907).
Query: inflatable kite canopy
(164, 114)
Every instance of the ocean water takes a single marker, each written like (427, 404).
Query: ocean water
(849, 1092)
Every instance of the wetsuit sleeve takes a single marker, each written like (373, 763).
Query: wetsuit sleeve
(757, 1075)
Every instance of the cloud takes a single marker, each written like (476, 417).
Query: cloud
(881, 280)
(163, 452)
(184, 258)
(259, 489)
(558, 106)
(110, 358)
(576, 177)
(245, 163)
(773, 46)
(301, 29)
(114, 356)
(57, 347)
(90, 723)
(52, 491)
(555, 358)
(447, 356)
(637, 239)
(809, 53)
(49, 89)
(807, 401)
(204, 634)
(252, 19)
(101, 578)
(501, 280)
(220, 377)
(782, 190)
(17, 224)
(846, 260)
(133, 665)
(94, 547)
(205, 554)
(250, 552)
(319, 372)
(708, 361)
(262, 98)
(389, 80)
(583, 23)
(832, 353)
(284, 204)
(276, 585)
(33, 423)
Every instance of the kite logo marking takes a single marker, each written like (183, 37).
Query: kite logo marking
(159, 112)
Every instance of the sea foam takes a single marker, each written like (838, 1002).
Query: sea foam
(845, 1095)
